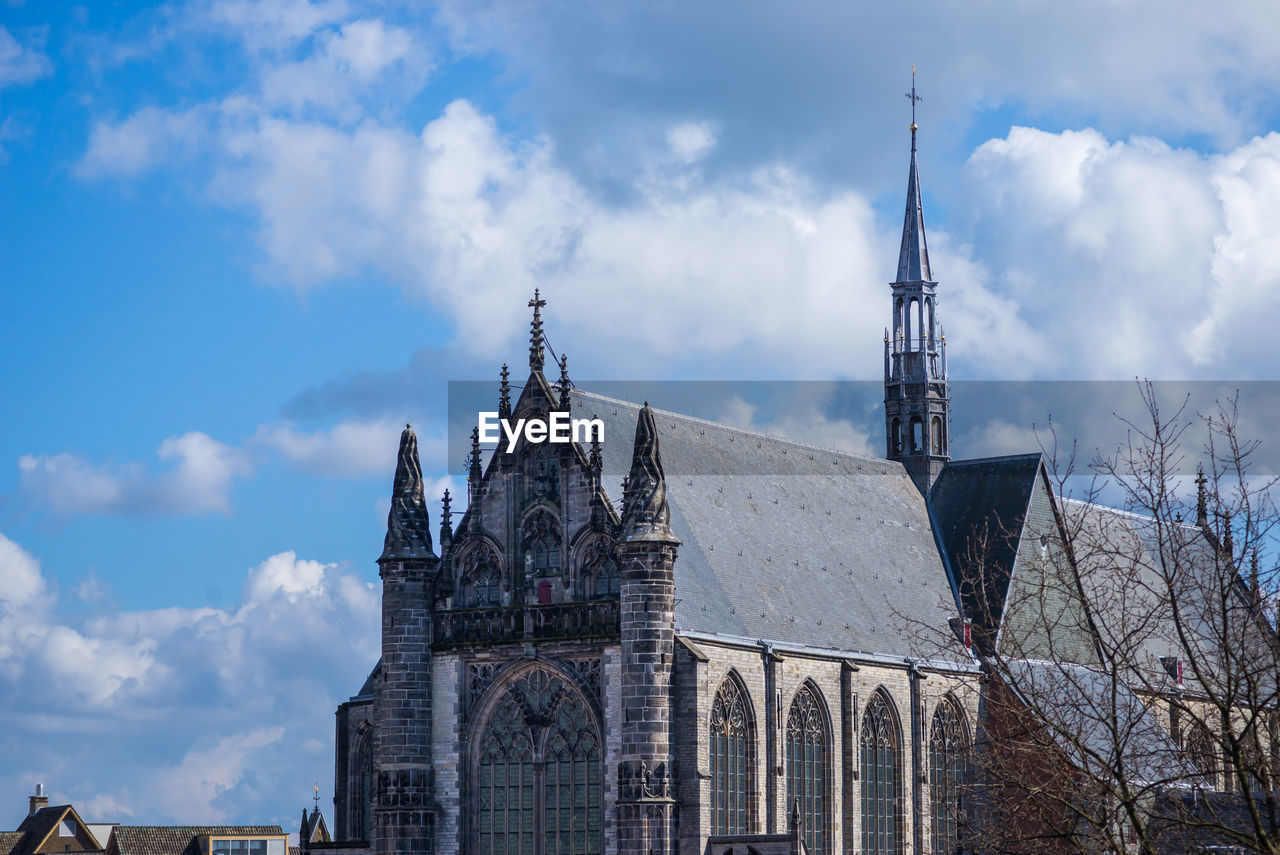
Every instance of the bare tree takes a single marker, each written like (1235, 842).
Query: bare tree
(1130, 661)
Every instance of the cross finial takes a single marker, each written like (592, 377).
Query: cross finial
(914, 99)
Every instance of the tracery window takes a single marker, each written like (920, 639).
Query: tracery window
(731, 753)
(807, 766)
(541, 539)
(482, 578)
(948, 777)
(881, 779)
(1198, 746)
(600, 575)
(538, 782)
(360, 791)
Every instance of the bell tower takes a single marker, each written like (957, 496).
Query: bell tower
(916, 394)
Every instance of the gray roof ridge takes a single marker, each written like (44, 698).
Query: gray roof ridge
(741, 431)
(1122, 512)
(868, 656)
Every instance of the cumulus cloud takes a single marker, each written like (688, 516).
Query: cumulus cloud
(1148, 260)
(812, 426)
(20, 63)
(196, 696)
(349, 449)
(199, 480)
(135, 144)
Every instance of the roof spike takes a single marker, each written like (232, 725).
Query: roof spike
(1202, 502)
(536, 356)
(913, 257)
(645, 514)
(596, 460)
(564, 381)
(504, 393)
(408, 524)
(446, 520)
(473, 465)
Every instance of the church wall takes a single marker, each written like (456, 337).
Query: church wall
(611, 684)
(350, 717)
(702, 665)
(446, 734)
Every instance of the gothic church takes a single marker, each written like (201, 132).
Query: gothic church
(711, 660)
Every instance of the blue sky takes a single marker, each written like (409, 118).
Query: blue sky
(241, 243)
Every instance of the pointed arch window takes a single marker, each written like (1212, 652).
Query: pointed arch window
(949, 774)
(881, 779)
(482, 578)
(600, 575)
(360, 788)
(732, 747)
(540, 536)
(1198, 746)
(538, 785)
(807, 766)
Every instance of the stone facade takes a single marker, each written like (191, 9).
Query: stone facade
(549, 684)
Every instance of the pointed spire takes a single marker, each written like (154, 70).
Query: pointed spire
(408, 525)
(504, 394)
(536, 357)
(913, 257)
(596, 460)
(564, 381)
(1228, 544)
(446, 521)
(646, 514)
(1202, 502)
(473, 465)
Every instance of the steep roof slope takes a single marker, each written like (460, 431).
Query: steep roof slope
(786, 542)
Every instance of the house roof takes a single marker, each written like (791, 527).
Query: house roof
(178, 839)
(788, 542)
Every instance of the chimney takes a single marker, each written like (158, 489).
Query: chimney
(38, 801)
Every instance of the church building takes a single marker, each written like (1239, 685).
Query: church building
(756, 645)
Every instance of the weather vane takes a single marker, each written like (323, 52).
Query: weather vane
(913, 97)
(317, 797)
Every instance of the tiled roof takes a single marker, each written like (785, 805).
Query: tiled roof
(787, 542)
(10, 842)
(178, 839)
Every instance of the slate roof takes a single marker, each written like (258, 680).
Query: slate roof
(980, 507)
(1099, 723)
(787, 542)
(178, 839)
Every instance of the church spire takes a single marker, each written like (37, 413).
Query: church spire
(536, 356)
(408, 526)
(916, 393)
(645, 512)
(913, 257)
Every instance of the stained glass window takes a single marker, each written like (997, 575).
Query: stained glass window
(731, 753)
(881, 779)
(948, 777)
(482, 578)
(541, 539)
(600, 572)
(539, 785)
(1198, 746)
(807, 766)
(361, 777)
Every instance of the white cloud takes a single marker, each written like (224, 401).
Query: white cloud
(349, 449)
(1135, 258)
(804, 425)
(691, 141)
(20, 64)
(139, 142)
(274, 24)
(198, 481)
(196, 696)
